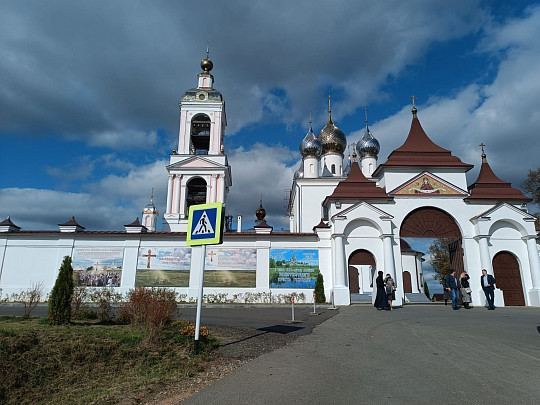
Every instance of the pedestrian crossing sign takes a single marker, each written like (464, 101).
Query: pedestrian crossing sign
(205, 225)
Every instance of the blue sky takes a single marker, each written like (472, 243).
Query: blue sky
(89, 93)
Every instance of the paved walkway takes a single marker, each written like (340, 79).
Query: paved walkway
(419, 354)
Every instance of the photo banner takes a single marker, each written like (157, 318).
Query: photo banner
(97, 266)
(230, 267)
(293, 268)
(163, 267)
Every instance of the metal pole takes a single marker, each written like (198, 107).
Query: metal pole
(314, 303)
(292, 300)
(333, 305)
(199, 302)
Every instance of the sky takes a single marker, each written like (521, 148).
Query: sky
(89, 93)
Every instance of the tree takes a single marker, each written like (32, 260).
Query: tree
(440, 258)
(320, 298)
(61, 294)
(531, 185)
(426, 290)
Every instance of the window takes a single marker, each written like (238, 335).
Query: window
(200, 134)
(333, 169)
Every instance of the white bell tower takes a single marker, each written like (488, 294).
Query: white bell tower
(199, 172)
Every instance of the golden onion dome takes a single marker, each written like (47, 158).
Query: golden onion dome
(332, 138)
(207, 65)
(260, 213)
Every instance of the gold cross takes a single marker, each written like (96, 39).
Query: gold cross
(482, 146)
(413, 98)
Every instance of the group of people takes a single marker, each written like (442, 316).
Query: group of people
(453, 287)
(386, 292)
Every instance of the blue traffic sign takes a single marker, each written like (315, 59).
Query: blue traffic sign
(205, 226)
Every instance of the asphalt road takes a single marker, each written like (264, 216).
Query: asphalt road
(419, 354)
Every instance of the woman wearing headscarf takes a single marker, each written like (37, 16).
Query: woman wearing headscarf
(381, 302)
(390, 289)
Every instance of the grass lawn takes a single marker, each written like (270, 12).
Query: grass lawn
(226, 278)
(89, 362)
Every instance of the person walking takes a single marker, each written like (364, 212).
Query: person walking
(381, 301)
(465, 290)
(451, 285)
(390, 287)
(487, 281)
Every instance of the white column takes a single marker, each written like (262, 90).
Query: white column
(214, 187)
(169, 193)
(485, 260)
(182, 209)
(389, 265)
(339, 260)
(534, 261)
(291, 223)
(176, 194)
(239, 226)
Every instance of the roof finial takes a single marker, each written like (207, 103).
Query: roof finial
(310, 120)
(152, 195)
(484, 159)
(207, 49)
(414, 110)
(329, 106)
(365, 111)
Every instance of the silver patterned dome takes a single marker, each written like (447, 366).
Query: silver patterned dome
(310, 146)
(368, 146)
(332, 138)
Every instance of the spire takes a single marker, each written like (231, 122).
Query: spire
(414, 110)
(329, 107)
(489, 187)
(206, 63)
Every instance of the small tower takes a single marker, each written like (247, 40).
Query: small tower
(311, 149)
(368, 150)
(333, 143)
(199, 171)
(150, 215)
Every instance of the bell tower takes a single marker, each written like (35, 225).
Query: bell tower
(199, 171)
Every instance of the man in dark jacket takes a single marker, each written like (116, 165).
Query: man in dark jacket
(488, 285)
(451, 285)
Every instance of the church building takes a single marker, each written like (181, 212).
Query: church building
(349, 218)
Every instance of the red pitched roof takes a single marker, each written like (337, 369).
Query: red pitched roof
(489, 187)
(419, 150)
(356, 186)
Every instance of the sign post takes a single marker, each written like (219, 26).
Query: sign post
(205, 227)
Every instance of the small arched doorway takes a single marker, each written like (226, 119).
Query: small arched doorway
(508, 278)
(196, 192)
(361, 278)
(407, 282)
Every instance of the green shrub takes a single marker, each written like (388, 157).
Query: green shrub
(60, 299)
(320, 298)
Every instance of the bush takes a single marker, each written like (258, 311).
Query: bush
(426, 290)
(29, 298)
(105, 298)
(320, 298)
(60, 300)
(151, 308)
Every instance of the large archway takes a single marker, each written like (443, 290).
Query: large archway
(361, 270)
(508, 278)
(421, 228)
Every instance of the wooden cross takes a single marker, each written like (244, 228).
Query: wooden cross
(149, 256)
(212, 254)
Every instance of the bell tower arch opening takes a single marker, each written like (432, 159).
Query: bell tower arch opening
(196, 192)
(200, 134)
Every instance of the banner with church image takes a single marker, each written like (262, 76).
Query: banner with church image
(293, 268)
(230, 267)
(163, 267)
(97, 267)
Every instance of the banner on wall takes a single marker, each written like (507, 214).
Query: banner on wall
(230, 267)
(293, 268)
(163, 267)
(97, 267)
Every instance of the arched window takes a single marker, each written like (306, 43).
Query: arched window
(312, 168)
(200, 134)
(196, 192)
(333, 169)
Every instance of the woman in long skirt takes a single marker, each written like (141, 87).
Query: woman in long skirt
(465, 290)
(381, 301)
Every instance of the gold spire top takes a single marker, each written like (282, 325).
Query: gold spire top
(152, 195)
(414, 110)
(310, 120)
(206, 63)
(484, 159)
(329, 106)
(207, 49)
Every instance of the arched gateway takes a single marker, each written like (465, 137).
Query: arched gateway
(361, 276)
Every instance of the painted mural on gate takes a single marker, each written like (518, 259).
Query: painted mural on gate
(230, 267)
(97, 267)
(293, 268)
(427, 185)
(163, 267)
